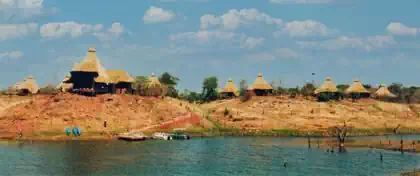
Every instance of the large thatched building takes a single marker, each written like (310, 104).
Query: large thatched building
(260, 86)
(90, 76)
(357, 90)
(230, 90)
(384, 93)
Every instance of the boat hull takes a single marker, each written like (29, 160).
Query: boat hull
(131, 139)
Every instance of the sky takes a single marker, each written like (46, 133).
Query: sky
(376, 41)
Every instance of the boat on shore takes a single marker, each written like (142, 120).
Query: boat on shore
(138, 136)
(162, 136)
(179, 134)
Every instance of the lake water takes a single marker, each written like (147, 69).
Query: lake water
(208, 156)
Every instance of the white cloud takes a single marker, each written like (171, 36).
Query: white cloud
(23, 8)
(301, 1)
(158, 15)
(204, 35)
(13, 55)
(11, 31)
(401, 29)
(251, 42)
(69, 28)
(281, 53)
(305, 29)
(235, 18)
(114, 32)
(344, 42)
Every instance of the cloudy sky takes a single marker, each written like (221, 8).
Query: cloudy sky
(376, 41)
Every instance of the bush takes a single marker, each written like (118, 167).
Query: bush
(49, 89)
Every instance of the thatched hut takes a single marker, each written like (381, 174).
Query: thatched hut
(153, 87)
(261, 87)
(121, 81)
(230, 90)
(90, 74)
(357, 90)
(28, 86)
(65, 85)
(384, 93)
(328, 90)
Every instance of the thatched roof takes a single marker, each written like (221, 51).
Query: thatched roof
(65, 84)
(29, 84)
(91, 63)
(260, 83)
(116, 76)
(327, 86)
(383, 92)
(153, 82)
(356, 87)
(230, 87)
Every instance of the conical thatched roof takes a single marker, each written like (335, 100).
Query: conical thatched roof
(260, 83)
(91, 63)
(230, 87)
(327, 86)
(116, 76)
(153, 82)
(29, 84)
(383, 92)
(65, 84)
(356, 87)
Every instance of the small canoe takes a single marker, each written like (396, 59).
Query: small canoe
(132, 137)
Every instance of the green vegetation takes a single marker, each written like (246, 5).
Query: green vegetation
(171, 82)
(210, 89)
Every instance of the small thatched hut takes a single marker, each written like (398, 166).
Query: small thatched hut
(153, 87)
(121, 80)
(357, 90)
(328, 90)
(65, 85)
(230, 90)
(384, 93)
(28, 86)
(261, 87)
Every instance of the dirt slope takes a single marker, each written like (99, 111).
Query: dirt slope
(309, 115)
(53, 113)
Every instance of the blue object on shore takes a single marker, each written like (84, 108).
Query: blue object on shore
(79, 131)
(74, 131)
(68, 131)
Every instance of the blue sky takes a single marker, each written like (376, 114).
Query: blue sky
(376, 41)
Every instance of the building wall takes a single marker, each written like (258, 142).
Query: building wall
(83, 79)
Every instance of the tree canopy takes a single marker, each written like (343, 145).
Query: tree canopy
(210, 85)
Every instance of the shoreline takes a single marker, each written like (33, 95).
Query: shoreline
(202, 133)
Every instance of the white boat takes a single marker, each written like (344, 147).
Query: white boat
(162, 136)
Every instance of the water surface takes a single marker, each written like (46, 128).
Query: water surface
(209, 156)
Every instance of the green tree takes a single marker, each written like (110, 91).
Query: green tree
(140, 84)
(171, 82)
(342, 87)
(396, 89)
(209, 89)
